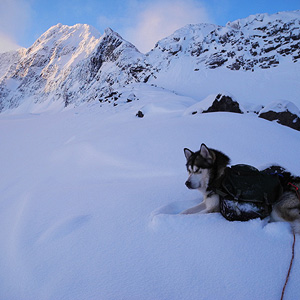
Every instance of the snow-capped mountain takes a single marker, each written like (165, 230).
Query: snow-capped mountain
(42, 70)
(74, 64)
(256, 59)
(67, 64)
(259, 41)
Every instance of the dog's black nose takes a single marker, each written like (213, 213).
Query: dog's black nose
(188, 184)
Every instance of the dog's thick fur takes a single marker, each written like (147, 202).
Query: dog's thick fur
(206, 168)
(287, 208)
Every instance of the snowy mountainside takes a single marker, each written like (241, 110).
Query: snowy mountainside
(256, 59)
(257, 41)
(9, 59)
(46, 65)
(115, 63)
(64, 64)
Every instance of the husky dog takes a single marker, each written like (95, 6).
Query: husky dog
(206, 168)
(287, 208)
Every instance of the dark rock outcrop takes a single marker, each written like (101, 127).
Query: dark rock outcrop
(284, 112)
(224, 103)
(140, 114)
(284, 118)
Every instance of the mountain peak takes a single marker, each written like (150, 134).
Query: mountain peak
(74, 64)
(109, 31)
(258, 19)
(65, 32)
(260, 40)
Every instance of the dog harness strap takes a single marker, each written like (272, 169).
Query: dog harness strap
(221, 193)
(296, 189)
(238, 195)
(210, 194)
(266, 199)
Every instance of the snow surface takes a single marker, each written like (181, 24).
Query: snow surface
(248, 88)
(91, 196)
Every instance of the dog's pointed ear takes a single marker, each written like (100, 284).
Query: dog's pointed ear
(204, 151)
(188, 153)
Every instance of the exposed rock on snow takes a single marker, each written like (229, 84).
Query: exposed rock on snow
(140, 114)
(224, 103)
(284, 112)
(131, 97)
(216, 103)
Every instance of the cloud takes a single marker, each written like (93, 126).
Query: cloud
(14, 20)
(7, 44)
(104, 22)
(158, 19)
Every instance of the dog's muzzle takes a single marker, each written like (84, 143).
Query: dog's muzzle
(188, 184)
(194, 181)
(191, 186)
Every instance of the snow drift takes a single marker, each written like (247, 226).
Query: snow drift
(91, 200)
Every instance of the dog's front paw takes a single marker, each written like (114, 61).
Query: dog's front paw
(200, 208)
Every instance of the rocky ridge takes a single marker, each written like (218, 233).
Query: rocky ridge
(75, 64)
(69, 64)
(259, 41)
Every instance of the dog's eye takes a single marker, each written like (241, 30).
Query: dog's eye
(197, 171)
(194, 170)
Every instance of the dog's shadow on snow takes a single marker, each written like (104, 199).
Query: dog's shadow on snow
(167, 212)
(175, 208)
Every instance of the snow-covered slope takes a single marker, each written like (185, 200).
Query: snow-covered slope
(91, 196)
(256, 59)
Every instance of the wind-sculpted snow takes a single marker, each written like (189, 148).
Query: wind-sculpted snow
(91, 200)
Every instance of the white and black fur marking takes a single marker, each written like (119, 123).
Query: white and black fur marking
(205, 168)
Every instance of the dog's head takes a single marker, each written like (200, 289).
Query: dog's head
(198, 165)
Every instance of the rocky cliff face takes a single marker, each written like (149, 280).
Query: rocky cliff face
(42, 71)
(115, 62)
(67, 64)
(259, 41)
(74, 64)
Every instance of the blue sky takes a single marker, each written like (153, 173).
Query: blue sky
(142, 22)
